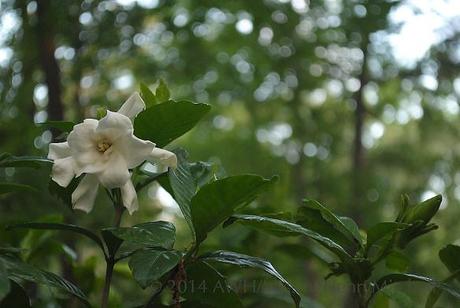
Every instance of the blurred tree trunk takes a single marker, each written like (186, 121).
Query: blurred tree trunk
(48, 61)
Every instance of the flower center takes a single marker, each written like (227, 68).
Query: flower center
(103, 145)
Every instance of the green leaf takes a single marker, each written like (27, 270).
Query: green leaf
(17, 297)
(436, 292)
(58, 226)
(162, 123)
(397, 261)
(215, 202)
(183, 186)
(304, 252)
(206, 286)
(63, 126)
(15, 187)
(151, 234)
(284, 228)
(400, 277)
(449, 255)
(352, 227)
(249, 261)
(162, 92)
(20, 270)
(64, 194)
(147, 266)
(346, 230)
(8, 160)
(381, 230)
(112, 242)
(399, 297)
(147, 95)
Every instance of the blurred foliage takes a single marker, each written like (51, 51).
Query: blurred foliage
(285, 79)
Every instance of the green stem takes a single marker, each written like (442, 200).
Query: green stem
(110, 260)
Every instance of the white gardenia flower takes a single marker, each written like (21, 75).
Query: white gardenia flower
(104, 150)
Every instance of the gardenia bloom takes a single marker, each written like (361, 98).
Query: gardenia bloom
(104, 150)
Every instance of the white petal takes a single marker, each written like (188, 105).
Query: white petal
(133, 105)
(134, 150)
(63, 171)
(116, 172)
(129, 197)
(163, 157)
(114, 125)
(85, 194)
(59, 150)
(82, 142)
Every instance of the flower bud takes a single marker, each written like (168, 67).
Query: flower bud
(424, 211)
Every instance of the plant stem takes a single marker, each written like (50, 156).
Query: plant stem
(110, 260)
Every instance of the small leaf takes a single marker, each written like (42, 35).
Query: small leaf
(449, 255)
(58, 226)
(162, 92)
(215, 202)
(147, 266)
(206, 286)
(63, 126)
(248, 261)
(147, 95)
(162, 123)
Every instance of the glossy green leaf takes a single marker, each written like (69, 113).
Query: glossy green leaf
(147, 266)
(401, 277)
(206, 286)
(147, 95)
(217, 201)
(253, 262)
(20, 270)
(63, 126)
(150, 234)
(450, 256)
(162, 123)
(58, 226)
(183, 185)
(162, 92)
(352, 227)
(284, 228)
(112, 242)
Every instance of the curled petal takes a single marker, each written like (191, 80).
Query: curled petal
(134, 150)
(82, 140)
(116, 172)
(59, 150)
(163, 157)
(113, 126)
(129, 197)
(85, 194)
(133, 105)
(63, 171)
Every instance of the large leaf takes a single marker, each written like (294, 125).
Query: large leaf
(400, 277)
(249, 261)
(150, 265)
(8, 160)
(162, 123)
(284, 228)
(183, 185)
(58, 226)
(215, 202)
(204, 286)
(150, 234)
(20, 270)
